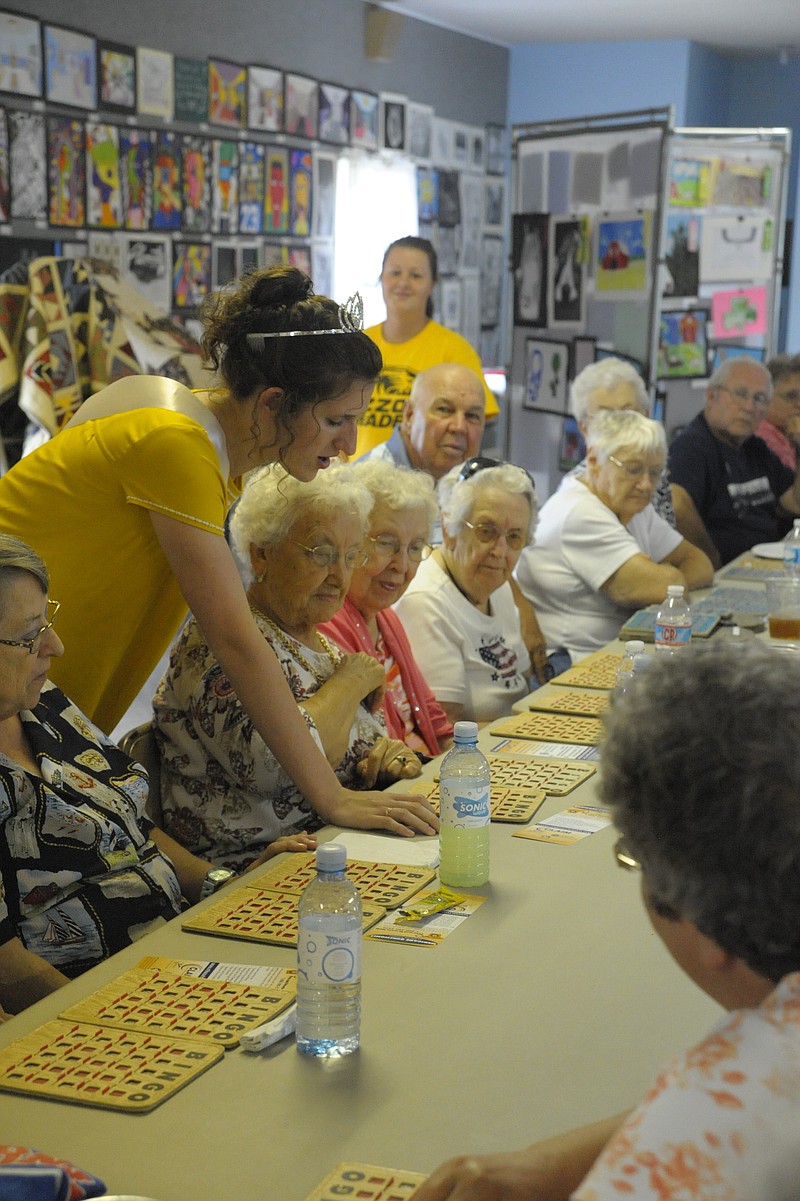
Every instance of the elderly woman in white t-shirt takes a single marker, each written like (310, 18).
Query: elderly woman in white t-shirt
(601, 549)
(459, 611)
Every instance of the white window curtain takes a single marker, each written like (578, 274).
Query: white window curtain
(376, 202)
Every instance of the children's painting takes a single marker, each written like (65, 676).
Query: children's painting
(427, 193)
(251, 187)
(147, 265)
(546, 375)
(393, 122)
(20, 55)
(103, 196)
(226, 93)
(28, 155)
(276, 200)
(224, 187)
(364, 120)
(70, 67)
(136, 177)
(167, 196)
(154, 83)
(682, 347)
(196, 176)
(265, 99)
(67, 172)
(190, 83)
(302, 106)
(529, 263)
(567, 271)
(739, 314)
(622, 258)
(116, 72)
(682, 254)
(191, 274)
(334, 114)
(300, 202)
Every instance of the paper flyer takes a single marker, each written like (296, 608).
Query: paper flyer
(568, 826)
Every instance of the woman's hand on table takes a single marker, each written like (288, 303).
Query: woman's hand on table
(388, 760)
(289, 842)
(393, 812)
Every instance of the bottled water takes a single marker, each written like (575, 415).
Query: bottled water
(464, 786)
(628, 665)
(329, 959)
(673, 630)
(791, 550)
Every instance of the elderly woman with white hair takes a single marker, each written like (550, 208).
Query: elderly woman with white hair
(223, 789)
(601, 549)
(459, 611)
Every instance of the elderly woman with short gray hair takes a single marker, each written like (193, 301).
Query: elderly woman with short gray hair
(223, 789)
(459, 611)
(601, 550)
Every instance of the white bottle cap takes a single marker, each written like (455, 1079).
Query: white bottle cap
(465, 731)
(634, 647)
(675, 590)
(331, 857)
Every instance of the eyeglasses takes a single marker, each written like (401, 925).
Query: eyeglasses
(760, 400)
(33, 644)
(329, 556)
(637, 470)
(387, 547)
(624, 857)
(485, 532)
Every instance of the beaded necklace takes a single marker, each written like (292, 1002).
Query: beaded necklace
(293, 645)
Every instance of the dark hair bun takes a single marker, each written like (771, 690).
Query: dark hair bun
(280, 288)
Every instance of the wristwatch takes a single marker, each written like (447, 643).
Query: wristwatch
(215, 880)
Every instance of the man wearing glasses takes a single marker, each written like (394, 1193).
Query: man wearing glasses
(727, 485)
(780, 429)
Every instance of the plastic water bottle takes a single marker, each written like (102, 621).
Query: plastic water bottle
(791, 550)
(673, 630)
(628, 665)
(464, 786)
(329, 959)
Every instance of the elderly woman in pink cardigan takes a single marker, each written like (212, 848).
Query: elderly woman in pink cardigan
(404, 511)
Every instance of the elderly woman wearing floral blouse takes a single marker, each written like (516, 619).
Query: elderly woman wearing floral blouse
(223, 789)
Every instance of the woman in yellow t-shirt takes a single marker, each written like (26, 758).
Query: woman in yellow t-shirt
(409, 340)
(127, 504)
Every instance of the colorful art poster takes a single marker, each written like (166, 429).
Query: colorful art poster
(167, 198)
(265, 99)
(743, 185)
(226, 93)
(147, 265)
(334, 114)
(302, 107)
(300, 193)
(567, 271)
(66, 171)
(28, 154)
(191, 274)
(276, 200)
(739, 314)
(546, 366)
(70, 67)
(224, 189)
(529, 235)
(251, 187)
(196, 177)
(154, 83)
(690, 181)
(20, 55)
(136, 177)
(300, 257)
(116, 70)
(427, 194)
(190, 86)
(682, 345)
(364, 120)
(622, 256)
(5, 172)
(103, 198)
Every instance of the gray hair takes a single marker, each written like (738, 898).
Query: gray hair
(606, 373)
(706, 795)
(17, 557)
(622, 429)
(782, 366)
(720, 376)
(399, 489)
(274, 501)
(457, 497)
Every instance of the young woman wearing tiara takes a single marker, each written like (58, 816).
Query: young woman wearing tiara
(128, 503)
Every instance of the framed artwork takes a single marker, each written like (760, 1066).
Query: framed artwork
(190, 88)
(300, 202)
(546, 375)
(167, 192)
(20, 55)
(116, 77)
(28, 156)
(276, 199)
(739, 314)
(571, 448)
(727, 350)
(191, 274)
(567, 271)
(227, 93)
(682, 348)
(735, 247)
(103, 195)
(491, 281)
(223, 263)
(622, 255)
(471, 189)
(494, 202)
(690, 181)
(495, 149)
(745, 185)
(196, 181)
(583, 353)
(5, 171)
(251, 187)
(154, 83)
(265, 99)
(136, 177)
(682, 253)
(146, 263)
(334, 114)
(449, 198)
(427, 194)
(392, 129)
(364, 120)
(419, 131)
(324, 195)
(529, 234)
(274, 254)
(66, 172)
(105, 246)
(301, 105)
(70, 59)
(224, 187)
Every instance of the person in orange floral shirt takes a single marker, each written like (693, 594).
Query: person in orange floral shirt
(709, 812)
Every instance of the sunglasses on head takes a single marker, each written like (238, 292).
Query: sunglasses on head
(480, 462)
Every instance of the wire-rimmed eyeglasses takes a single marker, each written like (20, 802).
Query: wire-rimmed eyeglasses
(329, 556)
(387, 547)
(32, 644)
(637, 470)
(624, 858)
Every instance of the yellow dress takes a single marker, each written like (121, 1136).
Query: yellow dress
(82, 501)
(402, 361)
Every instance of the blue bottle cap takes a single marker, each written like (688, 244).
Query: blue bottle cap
(331, 857)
